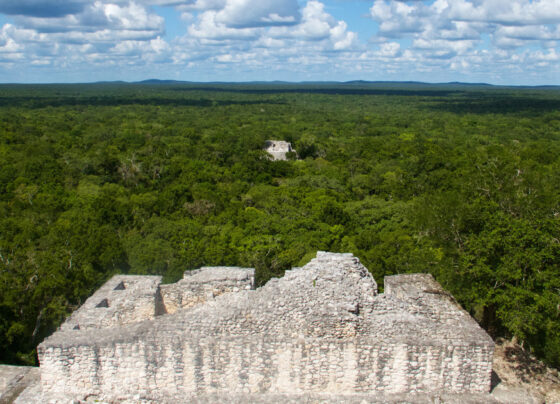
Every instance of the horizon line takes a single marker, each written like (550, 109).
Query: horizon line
(283, 82)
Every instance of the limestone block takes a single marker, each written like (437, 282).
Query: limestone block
(204, 284)
(124, 299)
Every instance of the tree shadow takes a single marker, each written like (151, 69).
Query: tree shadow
(334, 90)
(504, 104)
(112, 101)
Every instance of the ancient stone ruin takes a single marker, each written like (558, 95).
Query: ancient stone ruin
(278, 149)
(320, 331)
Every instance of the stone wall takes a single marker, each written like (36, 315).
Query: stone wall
(204, 284)
(162, 369)
(124, 299)
(320, 329)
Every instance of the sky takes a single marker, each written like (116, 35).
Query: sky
(512, 42)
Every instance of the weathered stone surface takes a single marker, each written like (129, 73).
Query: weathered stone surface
(124, 299)
(516, 395)
(278, 149)
(320, 330)
(14, 380)
(203, 284)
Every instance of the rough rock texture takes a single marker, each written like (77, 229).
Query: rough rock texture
(278, 149)
(320, 331)
(124, 299)
(14, 380)
(204, 284)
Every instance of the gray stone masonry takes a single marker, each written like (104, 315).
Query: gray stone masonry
(278, 149)
(124, 299)
(321, 330)
(204, 284)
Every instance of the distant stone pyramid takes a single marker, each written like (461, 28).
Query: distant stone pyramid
(278, 149)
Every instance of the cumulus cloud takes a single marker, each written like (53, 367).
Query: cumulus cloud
(512, 12)
(493, 38)
(249, 13)
(153, 51)
(511, 23)
(389, 49)
(317, 25)
(316, 33)
(208, 26)
(10, 50)
(397, 18)
(98, 18)
(98, 32)
(269, 34)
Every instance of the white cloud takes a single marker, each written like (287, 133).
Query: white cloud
(99, 17)
(131, 17)
(467, 36)
(389, 49)
(246, 13)
(10, 50)
(101, 33)
(397, 18)
(341, 38)
(250, 13)
(317, 33)
(511, 12)
(138, 52)
(270, 43)
(317, 25)
(511, 22)
(208, 27)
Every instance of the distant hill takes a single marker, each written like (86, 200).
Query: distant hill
(317, 86)
(157, 81)
(352, 83)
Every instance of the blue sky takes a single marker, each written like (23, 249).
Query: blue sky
(493, 41)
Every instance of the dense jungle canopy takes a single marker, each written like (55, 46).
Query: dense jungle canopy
(459, 181)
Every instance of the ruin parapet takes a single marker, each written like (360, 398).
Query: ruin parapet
(124, 299)
(204, 284)
(321, 329)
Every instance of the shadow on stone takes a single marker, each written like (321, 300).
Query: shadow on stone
(494, 381)
(120, 286)
(103, 303)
